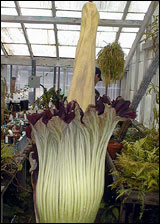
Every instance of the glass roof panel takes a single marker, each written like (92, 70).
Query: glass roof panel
(44, 50)
(38, 36)
(68, 27)
(68, 37)
(68, 14)
(104, 38)
(67, 52)
(2, 52)
(39, 26)
(36, 12)
(4, 24)
(9, 11)
(17, 49)
(126, 51)
(12, 35)
(35, 4)
(111, 6)
(133, 16)
(126, 39)
(107, 15)
(132, 30)
(71, 5)
(97, 51)
(101, 5)
(139, 6)
(105, 28)
(7, 3)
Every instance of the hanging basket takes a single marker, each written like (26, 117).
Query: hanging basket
(111, 62)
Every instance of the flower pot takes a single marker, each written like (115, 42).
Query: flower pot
(113, 148)
(24, 105)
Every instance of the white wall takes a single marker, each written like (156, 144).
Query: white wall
(131, 82)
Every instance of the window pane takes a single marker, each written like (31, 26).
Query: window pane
(104, 28)
(67, 52)
(97, 51)
(41, 36)
(68, 37)
(36, 12)
(126, 39)
(12, 35)
(17, 49)
(107, 15)
(68, 14)
(17, 25)
(68, 27)
(111, 6)
(133, 30)
(39, 26)
(7, 3)
(132, 16)
(74, 5)
(35, 4)
(9, 11)
(104, 38)
(139, 6)
(126, 52)
(43, 50)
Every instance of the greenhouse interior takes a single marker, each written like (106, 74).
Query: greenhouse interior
(79, 93)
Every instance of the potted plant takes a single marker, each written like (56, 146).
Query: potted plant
(138, 173)
(111, 62)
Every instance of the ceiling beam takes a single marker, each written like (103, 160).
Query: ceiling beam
(123, 18)
(68, 21)
(4, 50)
(40, 61)
(55, 28)
(146, 20)
(24, 29)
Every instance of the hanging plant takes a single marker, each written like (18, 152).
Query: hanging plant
(111, 62)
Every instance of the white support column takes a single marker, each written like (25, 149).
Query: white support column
(3, 71)
(137, 68)
(142, 103)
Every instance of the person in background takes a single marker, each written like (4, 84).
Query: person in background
(97, 79)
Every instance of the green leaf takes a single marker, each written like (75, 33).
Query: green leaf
(115, 212)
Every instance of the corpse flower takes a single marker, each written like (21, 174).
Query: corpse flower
(70, 142)
(68, 161)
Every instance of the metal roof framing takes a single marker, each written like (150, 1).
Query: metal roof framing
(72, 21)
(24, 30)
(123, 18)
(147, 17)
(55, 28)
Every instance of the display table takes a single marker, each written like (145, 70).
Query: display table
(151, 198)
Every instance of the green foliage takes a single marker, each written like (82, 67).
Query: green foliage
(108, 212)
(139, 167)
(152, 31)
(155, 89)
(111, 62)
(55, 97)
(18, 204)
(8, 162)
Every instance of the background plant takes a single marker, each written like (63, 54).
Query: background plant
(152, 31)
(155, 89)
(53, 96)
(111, 62)
(138, 168)
(8, 162)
